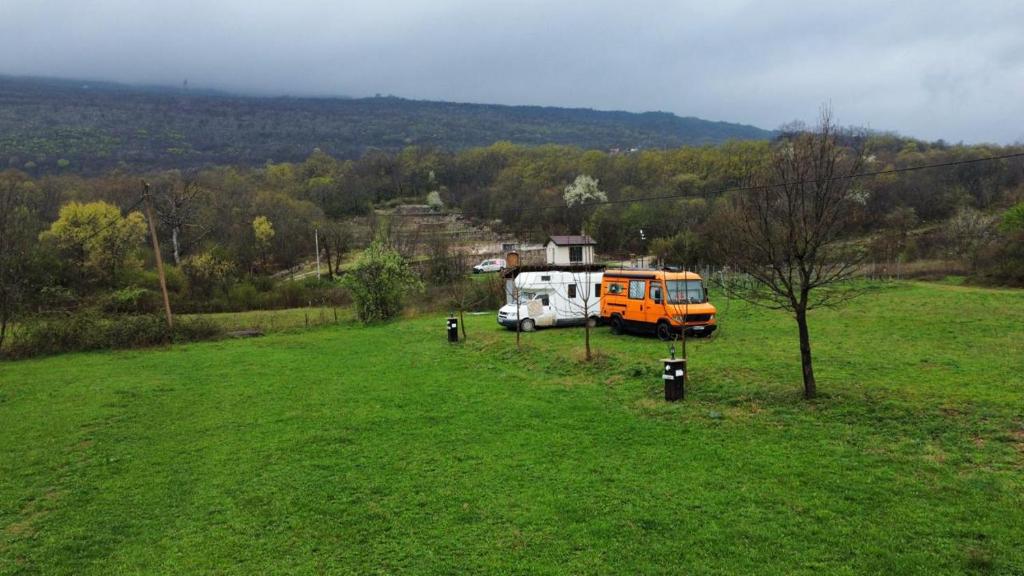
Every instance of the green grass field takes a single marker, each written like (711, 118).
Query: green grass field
(385, 450)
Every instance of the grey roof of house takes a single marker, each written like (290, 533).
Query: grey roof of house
(573, 241)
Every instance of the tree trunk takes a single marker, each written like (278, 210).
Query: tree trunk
(174, 243)
(519, 323)
(586, 337)
(327, 253)
(462, 322)
(3, 330)
(810, 386)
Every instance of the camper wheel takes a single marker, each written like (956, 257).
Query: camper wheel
(592, 321)
(528, 325)
(664, 331)
(617, 325)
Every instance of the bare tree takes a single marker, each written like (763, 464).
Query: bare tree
(177, 204)
(336, 240)
(967, 232)
(791, 231)
(466, 293)
(582, 296)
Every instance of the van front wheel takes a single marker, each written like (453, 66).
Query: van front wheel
(664, 331)
(616, 324)
(528, 325)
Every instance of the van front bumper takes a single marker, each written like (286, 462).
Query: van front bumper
(702, 330)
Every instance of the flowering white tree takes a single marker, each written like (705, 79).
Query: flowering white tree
(583, 191)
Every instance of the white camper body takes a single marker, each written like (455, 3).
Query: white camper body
(551, 298)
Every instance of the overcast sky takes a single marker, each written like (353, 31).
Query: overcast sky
(931, 69)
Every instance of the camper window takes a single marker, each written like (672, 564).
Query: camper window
(636, 289)
(572, 291)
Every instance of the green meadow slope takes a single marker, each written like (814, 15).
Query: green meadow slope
(386, 450)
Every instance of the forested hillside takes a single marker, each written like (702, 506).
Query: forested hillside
(50, 126)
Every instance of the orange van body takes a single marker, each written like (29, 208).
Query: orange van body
(664, 302)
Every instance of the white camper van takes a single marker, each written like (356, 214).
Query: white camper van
(551, 298)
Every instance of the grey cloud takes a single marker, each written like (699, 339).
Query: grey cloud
(952, 70)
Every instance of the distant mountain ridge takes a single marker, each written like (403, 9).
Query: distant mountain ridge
(49, 125)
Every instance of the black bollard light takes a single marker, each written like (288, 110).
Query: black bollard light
(453, 329)
(674, 376)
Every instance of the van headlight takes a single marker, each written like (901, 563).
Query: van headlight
(679, 318)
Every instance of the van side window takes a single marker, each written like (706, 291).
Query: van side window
(572, 291)
(544, 300)
(615, 289)
(656, 293)
(636, 289)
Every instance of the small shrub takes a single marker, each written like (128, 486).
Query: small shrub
(244, 296)
(378, 282)
(132, 299)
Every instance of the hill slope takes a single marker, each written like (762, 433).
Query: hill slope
(98, 126)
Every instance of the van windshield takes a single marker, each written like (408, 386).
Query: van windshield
(525, 297)
(684, 291)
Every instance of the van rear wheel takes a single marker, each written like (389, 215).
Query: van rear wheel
(664, 331)
(617, 325)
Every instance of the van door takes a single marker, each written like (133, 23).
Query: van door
(541, 310)
(654, 308)
(637, 295)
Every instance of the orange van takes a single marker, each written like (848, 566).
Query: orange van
(664, 302)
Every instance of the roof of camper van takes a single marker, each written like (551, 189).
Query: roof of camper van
(651, 273)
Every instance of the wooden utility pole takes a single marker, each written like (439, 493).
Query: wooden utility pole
(156, 250)
(316, 238)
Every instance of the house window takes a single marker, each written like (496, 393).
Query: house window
(572, 291)
(636, 289)
(575, 253)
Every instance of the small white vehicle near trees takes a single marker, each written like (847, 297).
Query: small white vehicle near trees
(551, 298)
(492, 265)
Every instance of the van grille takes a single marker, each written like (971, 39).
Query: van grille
(698, 317)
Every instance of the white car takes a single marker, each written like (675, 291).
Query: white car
(495, 265)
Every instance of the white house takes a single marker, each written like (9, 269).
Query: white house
(569, 250)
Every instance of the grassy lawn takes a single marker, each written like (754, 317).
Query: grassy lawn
(386, 450)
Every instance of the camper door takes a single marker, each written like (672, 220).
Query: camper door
(541, 311)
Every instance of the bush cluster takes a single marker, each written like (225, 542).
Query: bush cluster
(90, 330)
